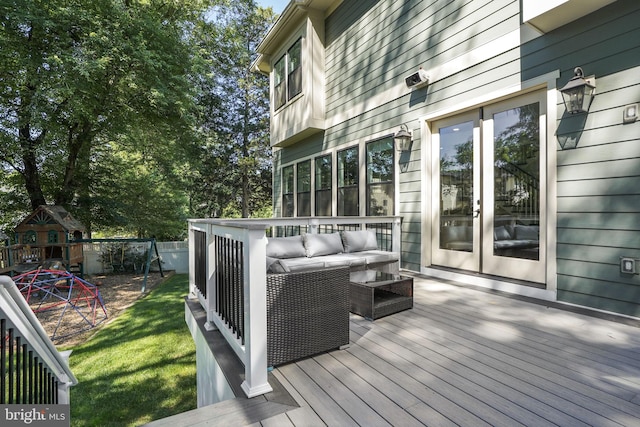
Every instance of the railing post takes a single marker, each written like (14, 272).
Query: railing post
(396, 236)
(255, 314)
(313, 225)
(212, 292)
(192, 262)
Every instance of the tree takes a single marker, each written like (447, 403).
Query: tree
(76, 76)
(234, 178)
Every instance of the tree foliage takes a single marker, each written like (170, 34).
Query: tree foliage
(104, 109)
(235, 173)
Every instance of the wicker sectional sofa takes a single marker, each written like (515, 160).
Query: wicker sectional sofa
(308, 300)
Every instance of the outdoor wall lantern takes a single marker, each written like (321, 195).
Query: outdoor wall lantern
(578, 92)
(402, 139)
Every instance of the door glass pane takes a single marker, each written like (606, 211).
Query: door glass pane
(517, 182)
(456, 187)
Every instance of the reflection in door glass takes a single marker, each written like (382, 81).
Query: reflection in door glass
(456, 187)
(517, 182)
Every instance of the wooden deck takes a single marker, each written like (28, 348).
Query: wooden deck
(469, 358)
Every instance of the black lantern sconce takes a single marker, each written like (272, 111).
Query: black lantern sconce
(578, 93)
(402, 139)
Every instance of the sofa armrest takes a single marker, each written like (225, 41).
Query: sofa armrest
(307, 313)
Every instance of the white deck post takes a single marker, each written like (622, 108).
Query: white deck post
(255, 314)
(192, 262)
(396, 236)
(211, 278)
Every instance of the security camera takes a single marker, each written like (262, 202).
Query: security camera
(417, 79)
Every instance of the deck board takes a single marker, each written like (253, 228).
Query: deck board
(465, 357)
(566, 378)
(343, 395)
(315, 396)
(509, 379)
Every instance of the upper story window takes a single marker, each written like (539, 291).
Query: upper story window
(323, 185)
(287, 75)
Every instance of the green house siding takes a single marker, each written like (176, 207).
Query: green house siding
(599, 166)
(371, 45)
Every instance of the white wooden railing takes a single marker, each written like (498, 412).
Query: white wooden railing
(33, 371)
(227, 274)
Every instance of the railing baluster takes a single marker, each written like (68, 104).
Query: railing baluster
(233, 301)
(239, 290)
(41, 377)
(11, 366)
(3, 361)
(18, 369)
(30, 374)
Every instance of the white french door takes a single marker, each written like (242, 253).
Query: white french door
(489, 187)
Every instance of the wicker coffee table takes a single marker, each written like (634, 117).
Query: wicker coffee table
(375, 294)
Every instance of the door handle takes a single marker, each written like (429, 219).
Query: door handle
(476, 213)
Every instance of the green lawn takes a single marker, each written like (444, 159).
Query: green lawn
(139, 368)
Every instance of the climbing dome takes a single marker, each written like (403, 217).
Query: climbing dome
(64, 303)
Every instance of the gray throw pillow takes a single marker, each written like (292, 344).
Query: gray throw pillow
(323, 244)
(358, 241)
(285, 247)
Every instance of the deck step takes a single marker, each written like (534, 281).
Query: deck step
(236, 412)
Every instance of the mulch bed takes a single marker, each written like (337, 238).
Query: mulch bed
(118, 292)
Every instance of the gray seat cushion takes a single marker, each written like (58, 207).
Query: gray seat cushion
(378, 257)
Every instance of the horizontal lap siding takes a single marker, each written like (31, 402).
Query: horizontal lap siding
(394, 39)
(598, 180)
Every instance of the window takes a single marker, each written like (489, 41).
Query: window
(29, 237)
(287, 75)
(323, 185)
(348, 182)
(287, 191)
(380, 188)
(52, 236)
(294, 78)
(279, 86)
(304, 188)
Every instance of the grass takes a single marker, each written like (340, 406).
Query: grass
(139, 368)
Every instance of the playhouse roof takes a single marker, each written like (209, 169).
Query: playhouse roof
(54, 214)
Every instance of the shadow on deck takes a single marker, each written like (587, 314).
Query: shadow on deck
(461, 356)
